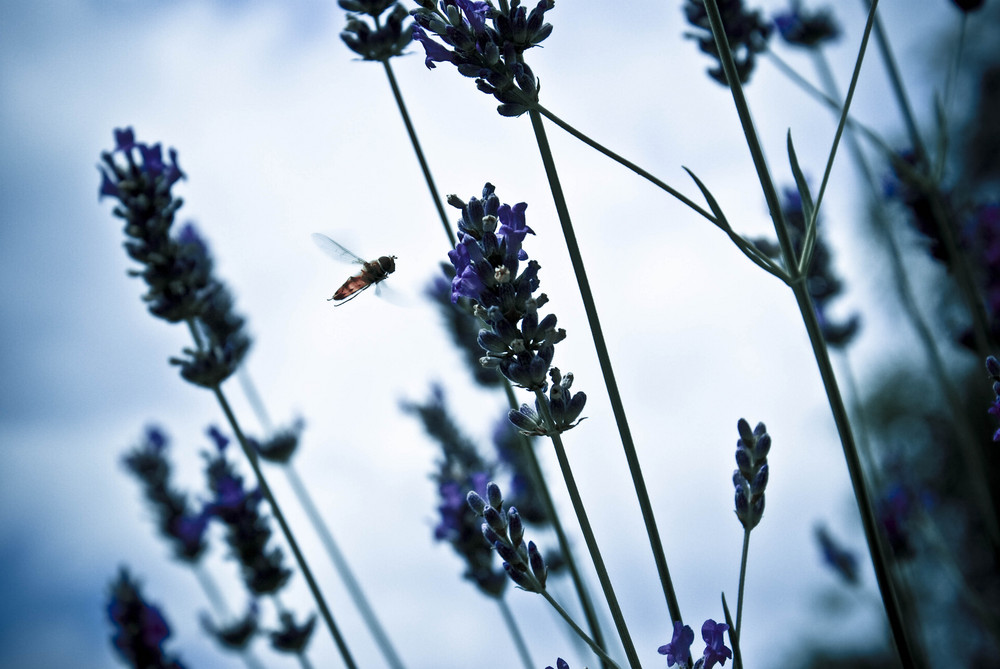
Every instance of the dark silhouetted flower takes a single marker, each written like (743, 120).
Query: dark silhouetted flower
(968, 5)
(292, 638)
(381, 41)
(840, 559)
(139, 628)
(183, 527)
(921, 198)
(715, 643)
(247, 531)
(486, 43)
(750, 479)
(560, 664)
(678, 651)
(460, 469)
(281, 445)
(177, 270)
(224, 342)
(238, 634)
(801, 27)
(746, 30)
(505, 532)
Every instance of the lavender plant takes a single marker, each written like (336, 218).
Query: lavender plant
(140, 628)
(493, 276)
(182, 288)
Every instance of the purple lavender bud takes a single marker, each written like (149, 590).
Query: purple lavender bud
(495, 519)
(494, 495)
(508, 554)
(575, 408)
(521, 578)
(537, 563)
(527, 421)
(678, 651)
(993, 367)
(746, 434)
(743, 459)
(491, 536)
(760, 480)
(475, 502)
(756, 510)
(742, 503)
(762, 447)
(514, 526)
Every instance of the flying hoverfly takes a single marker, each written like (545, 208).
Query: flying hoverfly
(372, 273)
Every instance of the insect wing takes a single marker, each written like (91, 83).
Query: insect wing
(335, 250)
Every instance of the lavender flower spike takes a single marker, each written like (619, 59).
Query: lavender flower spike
(486, 43)
(750, 478)
(505, 532)
(488, 271)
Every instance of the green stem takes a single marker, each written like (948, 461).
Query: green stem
(734, 636)
(808, 313)
(285, 529)
(351, 583)
(254, 399)
(969, 449)
(743, 575)
(588, 533)
(604, 358)
(424, 167)
(539, 109)
(550, 509)
(515, 633)
(605, 658)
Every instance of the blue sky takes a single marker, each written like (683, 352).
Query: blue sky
(282, 133)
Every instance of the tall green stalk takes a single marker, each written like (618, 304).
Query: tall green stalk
(586, 604)
(279, 516)
(604, 359)
(807, 310)
(588, 532)
(424, 167)
(968, 442)
(515, 633)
